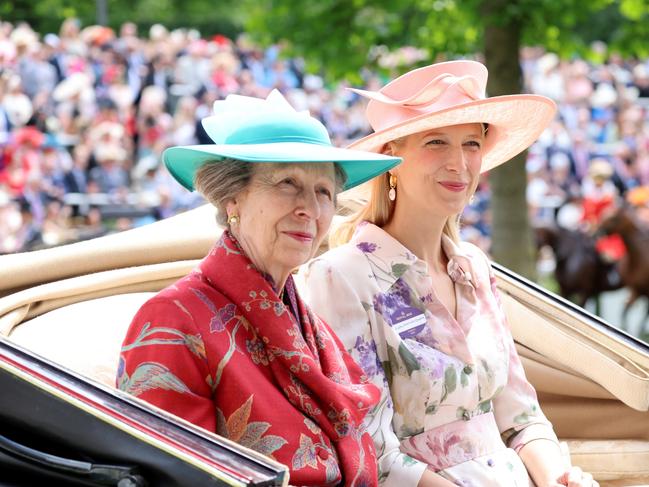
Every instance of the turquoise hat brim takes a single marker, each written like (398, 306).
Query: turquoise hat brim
(360, 166)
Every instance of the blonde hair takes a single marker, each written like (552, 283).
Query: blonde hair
(378, 210)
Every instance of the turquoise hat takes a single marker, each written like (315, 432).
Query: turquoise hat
(271, 130)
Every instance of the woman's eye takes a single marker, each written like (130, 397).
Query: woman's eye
(289, 182)
(435, 142)
(474, 144)
(325, 191)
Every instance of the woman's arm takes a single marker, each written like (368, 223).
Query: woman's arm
(163, 362)
(431, 479)
(337, 302)
(543, 461)
(549, 468)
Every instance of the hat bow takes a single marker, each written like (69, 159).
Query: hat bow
(431, 92)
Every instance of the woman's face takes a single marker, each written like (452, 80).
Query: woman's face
(284, 213)
(440, 169)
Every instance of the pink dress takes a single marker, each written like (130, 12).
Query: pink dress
(454, 395)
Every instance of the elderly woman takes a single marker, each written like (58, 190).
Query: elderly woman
(419, 309)
(232, 347)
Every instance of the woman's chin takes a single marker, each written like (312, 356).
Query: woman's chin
(297, 259)
(445, 210)
(453, 206)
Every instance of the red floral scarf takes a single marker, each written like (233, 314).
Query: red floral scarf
(307, 361)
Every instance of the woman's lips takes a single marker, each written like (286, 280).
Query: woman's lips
(300, 236)
(454, 186)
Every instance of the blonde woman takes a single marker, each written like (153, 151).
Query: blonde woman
(418, 308)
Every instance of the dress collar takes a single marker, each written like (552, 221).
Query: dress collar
(459, 266)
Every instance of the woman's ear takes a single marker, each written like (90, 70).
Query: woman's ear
(389, 149)
(232, 208)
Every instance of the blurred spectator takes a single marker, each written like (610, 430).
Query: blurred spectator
(75, 180)
(86, 113)
(600, 198)
(109, 175)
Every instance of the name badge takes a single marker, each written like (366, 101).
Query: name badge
(408, 322)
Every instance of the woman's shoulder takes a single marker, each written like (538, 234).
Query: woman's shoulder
(473, 251)
(340, 257)
(181, 298)
(343, 267)
(479, 259)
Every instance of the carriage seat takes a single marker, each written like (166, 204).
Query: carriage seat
(87, 336)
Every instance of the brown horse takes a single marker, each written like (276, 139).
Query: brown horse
(580, 271)
(634, 266)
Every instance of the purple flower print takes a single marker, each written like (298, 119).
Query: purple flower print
(366, 247)
(257, 351)
(342, 428)
(367, 356)
(221, 317)
(432, 361)
(341, 422)
(396, 307)
(398, 296)
(121, 367)
(427, 338)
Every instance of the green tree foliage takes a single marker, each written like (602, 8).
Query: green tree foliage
(339, 38)
(225, 17)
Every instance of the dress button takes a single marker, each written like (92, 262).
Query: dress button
(468, 370)
(490, 462)
(324, 454)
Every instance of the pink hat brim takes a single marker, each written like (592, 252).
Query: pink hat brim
(515, 122)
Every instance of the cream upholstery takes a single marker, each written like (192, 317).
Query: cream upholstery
(85, 337)
(613, 459)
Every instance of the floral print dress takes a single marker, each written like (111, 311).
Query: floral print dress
(455, 398)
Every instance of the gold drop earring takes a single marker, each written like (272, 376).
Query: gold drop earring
(392, 194)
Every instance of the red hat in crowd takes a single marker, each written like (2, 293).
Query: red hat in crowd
(29, 136)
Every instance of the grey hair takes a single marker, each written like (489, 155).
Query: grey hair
(220, 181)
(341, 178)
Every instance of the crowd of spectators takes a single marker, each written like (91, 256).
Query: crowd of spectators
(86, 113)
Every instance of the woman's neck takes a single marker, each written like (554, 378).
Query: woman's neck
(276, 274)
(422, 236)
(277, 277)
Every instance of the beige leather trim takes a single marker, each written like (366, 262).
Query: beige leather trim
(630, 482)
(564, 337)
(610, 460)
(551, 377)
(594, 418)
(35, 301)
(186, 236)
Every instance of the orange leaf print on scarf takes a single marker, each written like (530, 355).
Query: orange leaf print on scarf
(238, 420)
(250, 435)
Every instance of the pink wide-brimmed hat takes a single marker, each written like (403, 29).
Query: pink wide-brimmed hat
(453, 93)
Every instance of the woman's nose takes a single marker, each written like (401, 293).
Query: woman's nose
(308, 205)
(456, 161)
